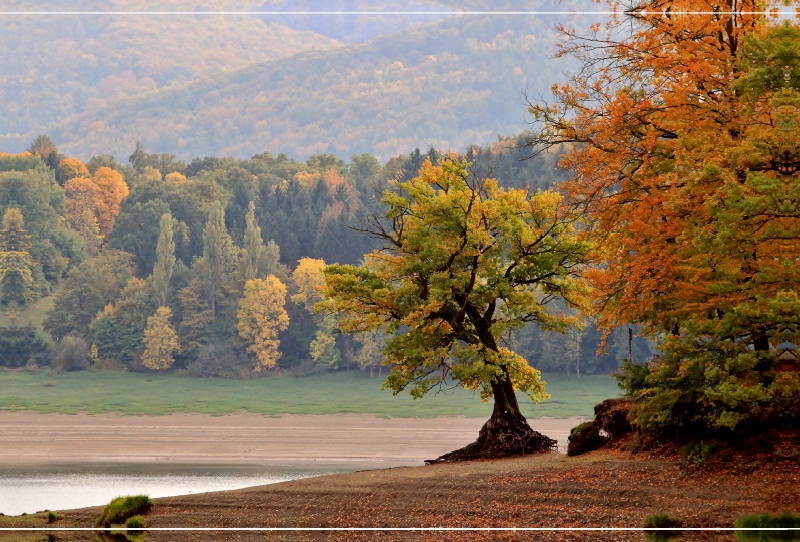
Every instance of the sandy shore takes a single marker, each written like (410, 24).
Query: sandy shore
(32, 437)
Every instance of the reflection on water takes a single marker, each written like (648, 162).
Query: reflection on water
(61, 487)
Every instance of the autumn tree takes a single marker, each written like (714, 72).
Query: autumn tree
(72, 168)
(465, 262)
(370, 354)
(17, 283)
(681, 159)
(261, 317)
(160, 341)
(165, 261)
(79, 203)
(111, 190)
(310, 280)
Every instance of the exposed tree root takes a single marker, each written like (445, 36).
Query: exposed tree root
(501, 438)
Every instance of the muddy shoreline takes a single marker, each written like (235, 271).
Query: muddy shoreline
(43, 438)
(602, 489)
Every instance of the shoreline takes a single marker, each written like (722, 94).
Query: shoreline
(29, 438)
(601, 489)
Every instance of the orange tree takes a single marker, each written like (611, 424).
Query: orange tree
(465, 261)
(685, 161)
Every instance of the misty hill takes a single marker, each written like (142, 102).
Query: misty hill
(449, 83)
(53, 67)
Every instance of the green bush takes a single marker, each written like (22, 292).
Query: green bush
(697, 452)
(121, 509)
(134, 524)
(631, 376)
(52, 517)
(660, 521)
(766, 521)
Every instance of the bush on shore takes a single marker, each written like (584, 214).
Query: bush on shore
(121, 509)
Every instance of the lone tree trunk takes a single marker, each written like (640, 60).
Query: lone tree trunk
(505, 434)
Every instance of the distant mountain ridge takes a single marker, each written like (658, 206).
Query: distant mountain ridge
(451, 83)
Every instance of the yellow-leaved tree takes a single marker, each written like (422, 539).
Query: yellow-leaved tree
(160, 341)
(261, 317)
(72, 168)
(310, 280)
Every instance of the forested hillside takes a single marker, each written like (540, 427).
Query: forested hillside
(55, 67)
(211, 267)
(239, 85)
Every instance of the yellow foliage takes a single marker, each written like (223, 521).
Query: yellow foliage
(74, 168)
(307, 178)
(310, 280)
(160, 341)
(175, 178)
(261, 317)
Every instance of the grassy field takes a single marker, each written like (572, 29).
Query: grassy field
(36, 313)
(153, 394)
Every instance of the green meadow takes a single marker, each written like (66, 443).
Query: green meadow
(98, 392)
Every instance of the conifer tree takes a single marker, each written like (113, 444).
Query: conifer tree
(16, 264)
(165, 261)
(160, 341)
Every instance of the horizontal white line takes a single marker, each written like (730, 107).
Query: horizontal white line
(267, 529)
(394, 13)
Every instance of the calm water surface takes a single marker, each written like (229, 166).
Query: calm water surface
(61, 487)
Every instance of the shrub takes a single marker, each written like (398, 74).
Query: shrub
(219, 360)
(631, 376)
(766, 521)
(660, 521)
(121, 509)
(72, 353)
(697, 452)
(135, 523)
(52, 517)
(20, 344)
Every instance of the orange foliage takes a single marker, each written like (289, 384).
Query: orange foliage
(652, 115)
(333, 180)
(79, 203)
(112, 189)
(73, 168)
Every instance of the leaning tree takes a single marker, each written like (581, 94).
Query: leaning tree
(464, 263)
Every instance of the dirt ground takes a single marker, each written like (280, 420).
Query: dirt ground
(31, 437)
(602, 489)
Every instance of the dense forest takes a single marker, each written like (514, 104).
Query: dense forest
(211, 267)
(302, 85)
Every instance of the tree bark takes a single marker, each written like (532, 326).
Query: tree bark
(505, 434)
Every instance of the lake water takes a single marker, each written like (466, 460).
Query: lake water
(61, 487)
